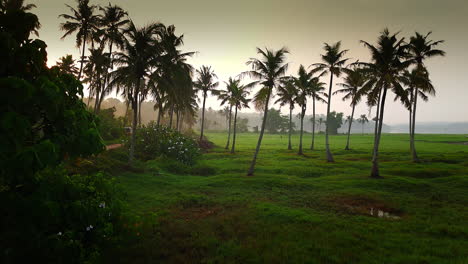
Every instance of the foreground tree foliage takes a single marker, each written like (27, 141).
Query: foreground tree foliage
(46, 212)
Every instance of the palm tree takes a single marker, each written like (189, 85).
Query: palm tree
(226, 96)
(333, 63)
(84, 22)
(66, 64)
(421, 49)
(171, 82)
(363, 120)
(388, 61)
(353, 81)
(267, 71)
(205, 83)
(12, 7)
(95, 71)
(15, 5)
(239, 100)
(140, 53)
(111, 21)
(304, 83)
(287, 93)
(316, 92)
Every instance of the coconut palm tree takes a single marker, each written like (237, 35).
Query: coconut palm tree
(95, 72)
(239, 100)
(316, 93)
(226, 97)
(421, 49)
(171, 82)
(333, 63)
(268, 71)
(66, 64)
(139, 55)
(389, 58)
(363, 120)
(205, 83)
(13, 10)
(351, 84)
(15, 5)
(84, 22)
(304, 83)
(112, 21)
(287, 93)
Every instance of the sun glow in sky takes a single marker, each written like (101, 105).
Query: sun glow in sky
(226, 33)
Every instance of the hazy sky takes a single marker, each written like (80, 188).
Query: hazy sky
(225, 34)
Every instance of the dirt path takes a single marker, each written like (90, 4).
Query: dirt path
(113, 146)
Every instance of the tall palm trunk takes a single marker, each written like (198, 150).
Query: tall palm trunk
(363, 128)
(158, 122)
(171, 116)
(413, 147)
(290, 126)
(82, 56)
(302, 130)
(203, 116)
(234, 134)
(377, 119)
(313, 124)
(229, 128)
(139, 110)
(349, 129)
(134, 123)
(177, 120)
(375, 157)
(411, 122)
(126, 113)
(262, 130)
(327, 130)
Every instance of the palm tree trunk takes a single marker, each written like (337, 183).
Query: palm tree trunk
(158, 123)
(413, 147)
(262, 130)
(229, 128)
(327, 143)
(234, 134)
(411, 122)
(82, 56)
(349, 129)
(363, 128)
(126, 113)
(171, 115)
(139, 110)
(134, 123)
(375, 157)
(203, 116)
(302, 130)
(290, 126)
(313, 124)
(377, 118)
(177, 120)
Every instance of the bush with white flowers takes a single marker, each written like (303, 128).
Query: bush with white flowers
(153, 141)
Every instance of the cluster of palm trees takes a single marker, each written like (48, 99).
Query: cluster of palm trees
(133, 61)
(147, 61)
(395, 65)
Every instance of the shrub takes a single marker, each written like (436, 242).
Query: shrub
(153, 141)
(67, 218)
(109, 127)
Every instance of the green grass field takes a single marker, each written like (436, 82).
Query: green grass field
(301, 209)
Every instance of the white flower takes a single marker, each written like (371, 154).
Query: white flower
(59, 233)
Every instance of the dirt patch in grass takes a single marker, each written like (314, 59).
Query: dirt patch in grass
(362, 205)
(197, 213)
